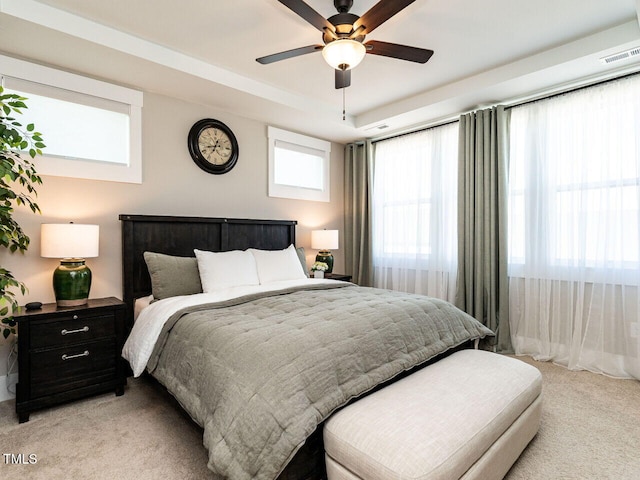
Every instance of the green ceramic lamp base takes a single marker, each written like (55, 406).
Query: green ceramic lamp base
(326, 257)
(71, 282)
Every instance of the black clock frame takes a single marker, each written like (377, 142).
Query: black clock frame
(196, 154)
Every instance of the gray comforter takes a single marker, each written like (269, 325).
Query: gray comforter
(261, 372)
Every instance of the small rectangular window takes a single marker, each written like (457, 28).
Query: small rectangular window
(87, 132)
(91, 129)
(298, 166)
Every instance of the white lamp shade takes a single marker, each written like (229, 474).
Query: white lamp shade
(69, 240)
(324, 239)
(344, 52)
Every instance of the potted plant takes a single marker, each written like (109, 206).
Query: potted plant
(318, 269)
(18, 178)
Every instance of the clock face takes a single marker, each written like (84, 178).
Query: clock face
(213, 146)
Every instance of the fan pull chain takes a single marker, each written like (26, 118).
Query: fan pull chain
(344, 116)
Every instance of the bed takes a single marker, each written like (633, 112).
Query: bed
(261, 366)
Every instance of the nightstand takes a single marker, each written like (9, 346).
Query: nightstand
(338, 276)
(68, 353)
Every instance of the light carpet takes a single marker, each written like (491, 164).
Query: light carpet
(590, 430)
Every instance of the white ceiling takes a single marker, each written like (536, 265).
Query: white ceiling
(204, 51)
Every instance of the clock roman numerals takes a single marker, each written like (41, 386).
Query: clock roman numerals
(215, 146)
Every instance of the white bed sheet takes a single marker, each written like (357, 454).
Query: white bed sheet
(148, 325)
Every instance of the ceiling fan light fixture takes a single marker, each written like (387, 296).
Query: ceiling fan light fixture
(344, 53)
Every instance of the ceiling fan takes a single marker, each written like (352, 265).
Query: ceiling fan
(343, 36)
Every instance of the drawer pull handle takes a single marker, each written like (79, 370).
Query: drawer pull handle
(80, 330)
(69, 357)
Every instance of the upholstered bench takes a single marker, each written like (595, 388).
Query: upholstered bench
(468, 416)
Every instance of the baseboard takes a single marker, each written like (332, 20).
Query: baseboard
(10, 380)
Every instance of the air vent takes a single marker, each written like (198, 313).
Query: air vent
(382, 126)
(617, 57)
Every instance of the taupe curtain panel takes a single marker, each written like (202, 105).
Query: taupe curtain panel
(482, 284)
(358, 178)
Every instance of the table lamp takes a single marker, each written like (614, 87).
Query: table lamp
(72, 243)
(324, 240)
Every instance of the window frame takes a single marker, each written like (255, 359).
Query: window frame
(323, 194)
(132, 101)
(427, 256)
(553, 263)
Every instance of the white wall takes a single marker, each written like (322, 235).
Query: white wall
(172, 185)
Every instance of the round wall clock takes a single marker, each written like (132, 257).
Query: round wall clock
(213, 146)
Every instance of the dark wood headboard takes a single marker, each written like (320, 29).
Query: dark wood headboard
(180, 235)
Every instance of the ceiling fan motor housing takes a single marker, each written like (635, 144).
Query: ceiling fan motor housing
(344, 26)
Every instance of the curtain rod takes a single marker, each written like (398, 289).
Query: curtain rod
(571, 90)
(517, 104)
(410, 132)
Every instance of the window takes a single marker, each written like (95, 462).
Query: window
(91, 129)
(574, 228)
(298, 166)
(575, 179)
(415, 193)
(415, 212)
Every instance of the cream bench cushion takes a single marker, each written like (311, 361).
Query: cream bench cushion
(467, 416)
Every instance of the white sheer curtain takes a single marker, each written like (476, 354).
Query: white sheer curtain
(574, 228)
(414, 212)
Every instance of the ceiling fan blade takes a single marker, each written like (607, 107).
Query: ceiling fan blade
(276, 57)
(343, 78)
(402, 52)
(380, 13)
(309, 14)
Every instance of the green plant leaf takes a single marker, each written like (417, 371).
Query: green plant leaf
(18, 178)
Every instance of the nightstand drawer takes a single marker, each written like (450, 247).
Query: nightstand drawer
(55, 370)
(74, 328)
(69, 353)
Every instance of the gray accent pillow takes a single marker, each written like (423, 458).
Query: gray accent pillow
(172, 276)
(303, 260)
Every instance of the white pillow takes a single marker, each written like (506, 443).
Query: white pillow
(275, 265)
(226, 269)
